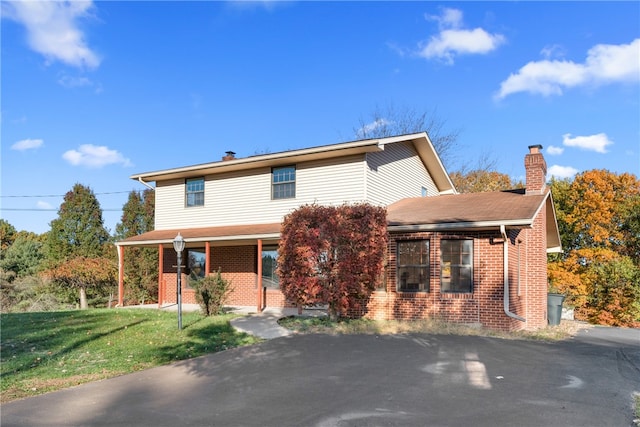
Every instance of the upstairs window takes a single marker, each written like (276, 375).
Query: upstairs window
(283, 182)
(413, 266)
(195, 192)
(456, 265)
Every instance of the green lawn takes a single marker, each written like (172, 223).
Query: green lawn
(41, 352)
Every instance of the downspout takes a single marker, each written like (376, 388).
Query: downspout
(145, 184)
(505, 260)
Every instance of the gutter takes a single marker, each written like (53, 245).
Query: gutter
(505, 259)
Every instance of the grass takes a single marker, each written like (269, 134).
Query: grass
(46, 351)
(430, 326)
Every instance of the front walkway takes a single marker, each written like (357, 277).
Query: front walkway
(262, 325)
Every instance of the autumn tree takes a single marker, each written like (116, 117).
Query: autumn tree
(479, 180)
(79, 228)
(332, 255)
(599, 222)
(597, 200)
(83, 273)
(140, 264)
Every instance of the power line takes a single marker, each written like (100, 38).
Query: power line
(50, 210)
(62, 195)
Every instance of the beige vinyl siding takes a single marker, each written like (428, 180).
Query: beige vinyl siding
(245, 198)
(396, 173)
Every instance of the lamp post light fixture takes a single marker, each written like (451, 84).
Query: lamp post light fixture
(178, 245)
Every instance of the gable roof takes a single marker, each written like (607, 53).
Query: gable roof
(474, 211)
(421, 142)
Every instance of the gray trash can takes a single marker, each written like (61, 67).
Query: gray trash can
(554, 308)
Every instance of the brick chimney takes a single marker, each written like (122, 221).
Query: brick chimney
(536, 169)
(229, 155)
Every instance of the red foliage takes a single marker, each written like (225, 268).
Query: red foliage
(332, 255)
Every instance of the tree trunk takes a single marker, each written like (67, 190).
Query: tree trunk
(83, 299)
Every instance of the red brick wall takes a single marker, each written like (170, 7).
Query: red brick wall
(482, 306)
(527, 279)
(239, 265)
(536, 265)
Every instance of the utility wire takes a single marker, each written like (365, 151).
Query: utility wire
(49, 210)
(62, 195)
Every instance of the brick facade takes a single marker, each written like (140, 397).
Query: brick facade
(483, 306)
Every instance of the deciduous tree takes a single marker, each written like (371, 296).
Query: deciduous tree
(598, 216)
(596, 202)
(391, 120)
(82, 273)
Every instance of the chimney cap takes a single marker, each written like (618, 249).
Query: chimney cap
(230, 153)
(535, 148)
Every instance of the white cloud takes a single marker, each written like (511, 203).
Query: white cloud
(52, 29)
(553, 51)
(367, 129)
(604, 64)
(597, 143)
(43, 205)
(95, 156)
(561, 171)
(454, 40)
(27, 144)
(71, 82)
(554, 151)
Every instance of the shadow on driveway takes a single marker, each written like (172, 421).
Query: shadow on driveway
(366, 380)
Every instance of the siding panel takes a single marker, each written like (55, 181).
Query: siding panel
(397, 173)
(239, 198)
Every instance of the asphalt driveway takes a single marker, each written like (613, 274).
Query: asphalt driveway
(366, 380)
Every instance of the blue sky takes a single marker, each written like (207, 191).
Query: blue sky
(95, 92)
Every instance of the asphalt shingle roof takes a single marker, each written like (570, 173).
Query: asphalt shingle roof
(466, 208)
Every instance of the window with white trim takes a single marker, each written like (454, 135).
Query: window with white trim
(283, 182)
(194, 192)
(413, 266)
(456, 265)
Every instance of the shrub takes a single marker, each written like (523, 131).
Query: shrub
(212, 293)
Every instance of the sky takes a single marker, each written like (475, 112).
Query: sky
(94, 92)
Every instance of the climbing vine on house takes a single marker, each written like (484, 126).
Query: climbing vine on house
(332, 255)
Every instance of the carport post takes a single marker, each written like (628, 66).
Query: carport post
(120, 275)
(259, 275)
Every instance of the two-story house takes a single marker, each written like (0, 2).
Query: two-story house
(472, 258)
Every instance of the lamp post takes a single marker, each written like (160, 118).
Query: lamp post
(178, 245)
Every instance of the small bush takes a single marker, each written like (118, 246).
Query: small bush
(212, 293)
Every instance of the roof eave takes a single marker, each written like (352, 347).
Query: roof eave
(463, 225)
(264, 160)
(229, 238)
